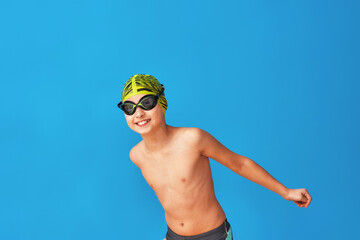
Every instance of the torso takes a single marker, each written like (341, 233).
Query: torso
(181, 178)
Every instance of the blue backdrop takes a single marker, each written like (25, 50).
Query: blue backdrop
(276, 81)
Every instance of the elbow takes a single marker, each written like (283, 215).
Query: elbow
(241, 164)
(237, 164)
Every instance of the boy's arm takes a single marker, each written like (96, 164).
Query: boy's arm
(212, 148)
(133, 154)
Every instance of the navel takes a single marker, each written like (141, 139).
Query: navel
(182, 224)
(183, 179)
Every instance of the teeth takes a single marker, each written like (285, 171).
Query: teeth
(143, 122)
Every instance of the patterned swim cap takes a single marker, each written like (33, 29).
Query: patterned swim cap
(143, 84)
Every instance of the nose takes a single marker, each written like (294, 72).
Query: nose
(139, 112)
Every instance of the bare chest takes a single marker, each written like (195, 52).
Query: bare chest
(173, 173)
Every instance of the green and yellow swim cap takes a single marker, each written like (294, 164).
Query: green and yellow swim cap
(143, 84)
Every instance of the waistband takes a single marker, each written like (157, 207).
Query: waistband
(215, 233)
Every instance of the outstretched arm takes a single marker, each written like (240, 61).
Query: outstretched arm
(249, 169)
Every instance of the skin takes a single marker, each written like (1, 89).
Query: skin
(175, 163)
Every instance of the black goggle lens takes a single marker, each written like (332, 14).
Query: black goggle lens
(128, 108)
(147, 103)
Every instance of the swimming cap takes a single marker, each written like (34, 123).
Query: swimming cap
(143, 84)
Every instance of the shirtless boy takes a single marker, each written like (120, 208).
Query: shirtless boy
(175, 163)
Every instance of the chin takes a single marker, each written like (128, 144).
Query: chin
(143, 130)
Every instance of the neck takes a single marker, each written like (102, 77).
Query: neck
(158, 139)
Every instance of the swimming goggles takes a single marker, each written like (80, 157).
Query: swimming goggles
(147, 102)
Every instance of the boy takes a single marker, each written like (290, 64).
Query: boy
(175, 163)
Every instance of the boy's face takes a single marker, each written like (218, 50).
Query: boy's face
(153, 118)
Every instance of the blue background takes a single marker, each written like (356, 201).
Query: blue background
(276, 81)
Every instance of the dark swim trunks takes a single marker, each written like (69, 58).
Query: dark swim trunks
(223, 232)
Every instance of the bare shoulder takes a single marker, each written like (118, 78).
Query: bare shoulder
(135, 153)
(203, 141)
(193, 135)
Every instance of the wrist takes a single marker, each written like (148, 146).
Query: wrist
(285, 192)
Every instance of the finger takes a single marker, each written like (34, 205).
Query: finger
(301, 203)
(304, 199)
(309, 199)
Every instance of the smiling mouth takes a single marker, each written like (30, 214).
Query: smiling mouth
(142, 123)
